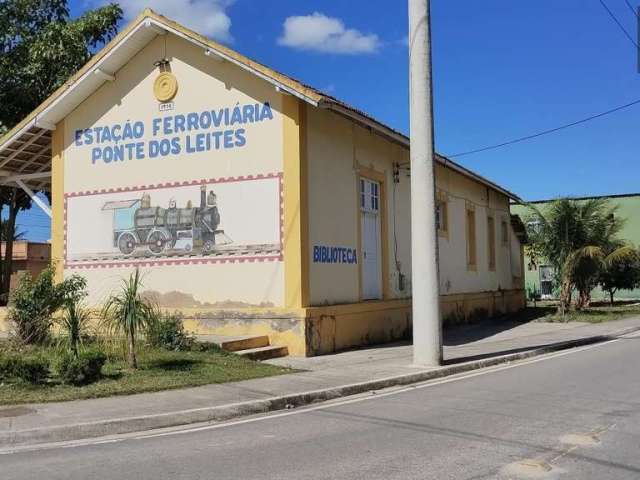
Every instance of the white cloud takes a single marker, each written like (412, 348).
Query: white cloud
(207, 17)
(320, 33)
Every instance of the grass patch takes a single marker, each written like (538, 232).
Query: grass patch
(596, 313)
(158, 370)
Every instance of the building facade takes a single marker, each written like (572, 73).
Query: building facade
(254, 204)
(32, 257)
(540, 277)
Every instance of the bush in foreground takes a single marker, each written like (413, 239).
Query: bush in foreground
(167, 331)
(81, 368)
(34, 302)
(28, 368)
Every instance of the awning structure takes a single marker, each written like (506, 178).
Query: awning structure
(25, 151)
(25, 162)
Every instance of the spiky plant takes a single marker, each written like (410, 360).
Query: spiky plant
(74, 325)
(128, 313)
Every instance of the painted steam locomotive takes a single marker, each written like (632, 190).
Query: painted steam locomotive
(136, 223)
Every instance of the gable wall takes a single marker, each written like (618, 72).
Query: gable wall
(250, 208)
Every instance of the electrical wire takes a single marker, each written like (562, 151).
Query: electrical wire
(545, 132)
(633, 10)
(615, 19)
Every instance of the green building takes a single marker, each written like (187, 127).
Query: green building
(540, 277)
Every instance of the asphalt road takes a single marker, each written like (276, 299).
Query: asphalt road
(575, 415)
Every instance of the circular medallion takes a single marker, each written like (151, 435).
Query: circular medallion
(165, 87)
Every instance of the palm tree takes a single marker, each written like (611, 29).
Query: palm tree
(577, 238)
(128, 313)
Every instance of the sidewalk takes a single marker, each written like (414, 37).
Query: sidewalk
(325, 377)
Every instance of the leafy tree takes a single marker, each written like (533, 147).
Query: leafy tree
(622, 273)
(577, 238)
(15, 200)
(34, 302)
(128, 313)
(40, 48)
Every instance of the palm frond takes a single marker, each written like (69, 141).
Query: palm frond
(589, 252)
(621, 254)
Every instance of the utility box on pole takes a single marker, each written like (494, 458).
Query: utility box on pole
(427, 327)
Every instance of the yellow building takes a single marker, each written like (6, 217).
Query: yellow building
(252, 203)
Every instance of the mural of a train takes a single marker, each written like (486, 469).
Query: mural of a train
(138, 224)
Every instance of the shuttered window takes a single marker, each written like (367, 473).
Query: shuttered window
(491, 239)
(471, 239)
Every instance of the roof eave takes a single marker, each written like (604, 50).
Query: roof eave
(403, 140)
(53, 109)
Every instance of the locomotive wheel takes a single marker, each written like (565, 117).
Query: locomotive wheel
(127, 243)
(157, 242)
(208, 245)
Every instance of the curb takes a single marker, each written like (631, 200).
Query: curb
(117, 426)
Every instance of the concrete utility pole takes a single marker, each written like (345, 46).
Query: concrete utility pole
(427, 329)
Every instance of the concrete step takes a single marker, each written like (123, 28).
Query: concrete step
(244, 343)
(236, 343)
(264, 353)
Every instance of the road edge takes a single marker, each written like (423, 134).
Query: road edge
(116, 426)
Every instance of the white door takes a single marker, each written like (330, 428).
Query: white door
(370, 261)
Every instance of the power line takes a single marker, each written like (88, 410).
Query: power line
(545, 132)
(633, 10)
(615, 19)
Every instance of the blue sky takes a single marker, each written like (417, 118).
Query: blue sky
(502, 69)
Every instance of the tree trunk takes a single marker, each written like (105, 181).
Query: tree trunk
(8, 251)
(611, 292)
(584, 299)
(565, 297)
(131, 357)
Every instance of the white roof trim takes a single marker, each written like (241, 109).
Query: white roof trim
(405, 141)
(47, 118)
(90, 73)
(236, 62)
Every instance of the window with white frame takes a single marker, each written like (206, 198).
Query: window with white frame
(442, 213)
(369, 196)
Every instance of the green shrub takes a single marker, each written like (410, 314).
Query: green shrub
(167, 331)
(82, 369)
(33, 303)
(6, 366)
(28, 368)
